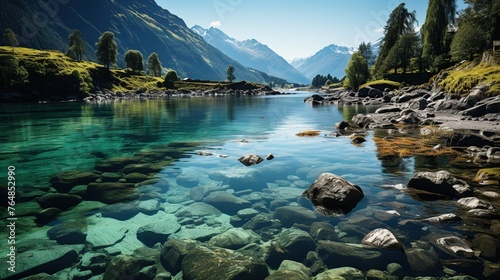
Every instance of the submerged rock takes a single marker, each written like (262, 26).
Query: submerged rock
(350, 273)
(337, 254)
(203, 263)
(291, 244)
(250, 159)
(423, 261)
(68, 233)
(453, 246)
(234, 238)
(383, 239)
(157, 232)
(64, 181)
(333, 195)
(59, 200)
(226, 202)
(173, 252)
(111, 192)
(126, 267)
(441, 182)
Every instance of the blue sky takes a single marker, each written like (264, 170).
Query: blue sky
(295, 28)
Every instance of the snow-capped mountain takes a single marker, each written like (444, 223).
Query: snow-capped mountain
(331, 60)
(251, 53)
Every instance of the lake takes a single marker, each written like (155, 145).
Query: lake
(191, 147)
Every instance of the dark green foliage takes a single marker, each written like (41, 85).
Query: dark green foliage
(170, 78)
(230, 73)
(468, 40)
(76, 46)
(357, 71)
(365, 49)
(321, 80)
(154, 64)
(400, 55)
(440, 15)
(12, 75)
(133, 60)
(10, 38)
(400, 22)
(107, 49)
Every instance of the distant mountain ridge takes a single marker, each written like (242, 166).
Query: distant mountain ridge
(137, 24)
(252, 53)
(331, 60)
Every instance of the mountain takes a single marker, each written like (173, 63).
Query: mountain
(252, 53)
(331, 60)
(137, 24)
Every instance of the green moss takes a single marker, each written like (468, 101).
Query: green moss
(467, 75)
(382, 84)
(488, 176)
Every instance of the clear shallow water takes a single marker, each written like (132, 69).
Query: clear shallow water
(41, 140)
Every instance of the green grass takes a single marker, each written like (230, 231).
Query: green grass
(467, 75)
(382, 84)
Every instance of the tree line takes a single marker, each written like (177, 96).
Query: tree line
(444, 38)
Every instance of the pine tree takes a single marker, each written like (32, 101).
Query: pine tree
(10, 38)
(76, 45)
(230, 73)
(365, 49)
(400, 22)
(440, 15)
(154, 64)
(467, 42)
(107, 49)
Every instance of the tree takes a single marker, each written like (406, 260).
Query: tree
(107, 49)
(10, 38)
(230, 73)
(12, 75)
(154, 64)
(440, 15)
(402, 52)
(399, 23)
(467, 42)
(170, 78)
(365, 49)
(76, 45)
(485, 14)
(357, 71)
(133, 60)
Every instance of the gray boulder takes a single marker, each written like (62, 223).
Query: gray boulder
(441, 182)
(250, 159)
(68, 233)
(157, 232)
(383, 239)
(333, 195)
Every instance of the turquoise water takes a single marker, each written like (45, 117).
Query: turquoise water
(42, 140)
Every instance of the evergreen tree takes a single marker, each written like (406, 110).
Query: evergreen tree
(230, 73)
(485, 14)
(402, 52)
(365, 49)
(440, 15)
(133, 60)
(107, 49)
(10, 38)
(357, 71)
(170, 78)
(154, 64)
(467, 42)
(76, 45)
(399, 23)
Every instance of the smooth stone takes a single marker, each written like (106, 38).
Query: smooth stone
(445, 218)
(488, 246)
(240, 178)
(333, 195)
(350, 273)
(70, 232)
(295, 266)
(199, 209)
(247, 213)
(111, 176)
(29, 208)
(112, 192)
(452, 245)
(423, 261)
(286, 193)
(187, 181)
(441, 182)
(135, 177)
(63, 182)
(199, 192)
(149, 207)
(59, 200)
(45, 256)
(323, 231)
(47, 215)
(120, 211)
(395, 269)
(157, 232)
(262, 221)
(234, 238)
(226, 202)
(341, 254)
(144, 168)
(375, 274)
(289, 215)
(105, 236)
(203, 263)
(173, 252)
(291, 244)
(383, 239)
(287, 274)
(200, 234)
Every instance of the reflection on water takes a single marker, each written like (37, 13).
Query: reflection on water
(181, 154)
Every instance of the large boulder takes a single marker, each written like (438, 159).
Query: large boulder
(338, 254)
(173, 252)
(383, 239)
(440, 182)
(202, 263)
(333, 195)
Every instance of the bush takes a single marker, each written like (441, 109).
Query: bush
(170, 78)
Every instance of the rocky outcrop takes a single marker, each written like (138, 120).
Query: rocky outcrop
(333, 195)
(441, 182)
